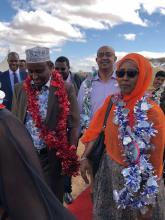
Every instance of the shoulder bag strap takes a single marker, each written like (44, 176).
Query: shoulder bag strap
(107, 112)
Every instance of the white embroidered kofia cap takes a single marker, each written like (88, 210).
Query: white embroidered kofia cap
(2, 96)
(37, 55)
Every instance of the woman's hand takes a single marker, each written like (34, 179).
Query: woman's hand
(86, 170)
(147, 215)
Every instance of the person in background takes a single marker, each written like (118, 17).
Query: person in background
(24, 195)
(62, 65)
(159, 79)
(128, 183)
(10, 77)
(22, 65)
(48, 107)
(158, 93)
(96, 88)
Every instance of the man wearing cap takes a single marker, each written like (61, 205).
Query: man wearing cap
(24, 195)
(10, 77)
(48, 108)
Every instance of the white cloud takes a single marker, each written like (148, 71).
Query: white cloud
(53, 23)
(152, 6)
(130, 36)
(38, 27)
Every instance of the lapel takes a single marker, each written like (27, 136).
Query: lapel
(22, 105)
(74, 83)
(52, 110)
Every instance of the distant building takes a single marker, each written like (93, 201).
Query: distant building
(158, 63)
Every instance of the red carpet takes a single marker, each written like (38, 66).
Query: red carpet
(82, 206)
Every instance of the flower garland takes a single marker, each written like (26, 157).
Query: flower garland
(87, 105)
(2, 96)
(140, 183)
(54, 139)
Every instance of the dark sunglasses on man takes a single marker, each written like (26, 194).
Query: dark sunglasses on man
(130, 73)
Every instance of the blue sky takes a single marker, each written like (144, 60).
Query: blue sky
(77, 28)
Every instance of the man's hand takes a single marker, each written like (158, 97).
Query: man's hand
(86, 170)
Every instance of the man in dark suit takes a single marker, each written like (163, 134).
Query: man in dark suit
(41, 103)
(62, 65)
(10, 77)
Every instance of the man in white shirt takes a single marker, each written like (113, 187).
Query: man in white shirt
(96, 88)
(10, 77)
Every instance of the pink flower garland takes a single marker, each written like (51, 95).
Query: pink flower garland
(56, 139)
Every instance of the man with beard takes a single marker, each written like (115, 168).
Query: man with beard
(96, 88)
(62, 65)
(48, 108)
(24, 195)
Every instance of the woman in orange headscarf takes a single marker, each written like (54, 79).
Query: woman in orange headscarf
(128, 182)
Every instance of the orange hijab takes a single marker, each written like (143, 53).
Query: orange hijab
(144, 79)
(113, 145)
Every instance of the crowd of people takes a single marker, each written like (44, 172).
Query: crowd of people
(45, 110)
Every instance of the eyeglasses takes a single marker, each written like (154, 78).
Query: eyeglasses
(107, 54)
(62, 68)
(130, 73)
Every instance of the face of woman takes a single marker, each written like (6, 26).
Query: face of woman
(127, 76)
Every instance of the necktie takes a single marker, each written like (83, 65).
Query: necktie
(15, 78)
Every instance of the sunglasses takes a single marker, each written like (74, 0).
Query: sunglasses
(62, 68)
(130, 73)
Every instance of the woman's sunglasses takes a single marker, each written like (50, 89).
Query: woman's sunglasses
(130, 73)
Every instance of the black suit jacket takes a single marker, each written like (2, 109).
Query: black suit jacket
(76, 81)
(7, 88)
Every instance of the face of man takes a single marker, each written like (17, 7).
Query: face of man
(63, 69)
(13, 61)
(39, 73)
(22, 65)
(158, 81)
(106, 58)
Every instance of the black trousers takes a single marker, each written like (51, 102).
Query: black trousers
(67, 184)
(52, 173)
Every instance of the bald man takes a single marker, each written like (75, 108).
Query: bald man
(96, 88)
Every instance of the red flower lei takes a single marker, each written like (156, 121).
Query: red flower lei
(56, 139)
(2, 106)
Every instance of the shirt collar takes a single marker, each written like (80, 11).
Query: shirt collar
(48, 83)
(11, 72)
(96, 77)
